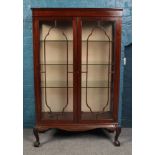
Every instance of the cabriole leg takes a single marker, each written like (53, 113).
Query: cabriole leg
(116, 141)
(36, 134)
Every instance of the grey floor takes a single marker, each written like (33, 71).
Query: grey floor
(95, 142)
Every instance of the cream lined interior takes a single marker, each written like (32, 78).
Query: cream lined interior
(56, 75)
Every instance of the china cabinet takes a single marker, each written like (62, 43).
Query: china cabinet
(76, 69)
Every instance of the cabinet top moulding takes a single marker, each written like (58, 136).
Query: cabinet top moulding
(71, 12)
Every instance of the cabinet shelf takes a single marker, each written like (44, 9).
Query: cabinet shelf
(56, 40)
(96, 115)
(56, 64)
(63, 84)
(57, 116)
(72, 64)
(98, 41)
(69, 115)
(56, 84)
(72, 40)
(96, 84)
(99, 64)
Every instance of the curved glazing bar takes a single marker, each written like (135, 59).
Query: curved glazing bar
(45, 71)
(67, 75)
(109, 57)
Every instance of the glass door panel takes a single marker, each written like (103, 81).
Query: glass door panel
(97, 70)
(56, 69)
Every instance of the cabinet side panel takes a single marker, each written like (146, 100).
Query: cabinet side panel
(117, 67)
(36, 68)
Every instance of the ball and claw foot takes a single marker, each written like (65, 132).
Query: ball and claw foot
(118, 131)
(116, 143)
(36, 144)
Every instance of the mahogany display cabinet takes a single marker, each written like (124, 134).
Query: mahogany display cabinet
(76, 69)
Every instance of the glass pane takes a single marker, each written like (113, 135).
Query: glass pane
(56, 69)
(97, 70)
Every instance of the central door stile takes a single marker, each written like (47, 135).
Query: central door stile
(79, 40)
(75, 68)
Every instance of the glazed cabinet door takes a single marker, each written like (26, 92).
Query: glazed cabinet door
(54, 58)
(97, 69)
